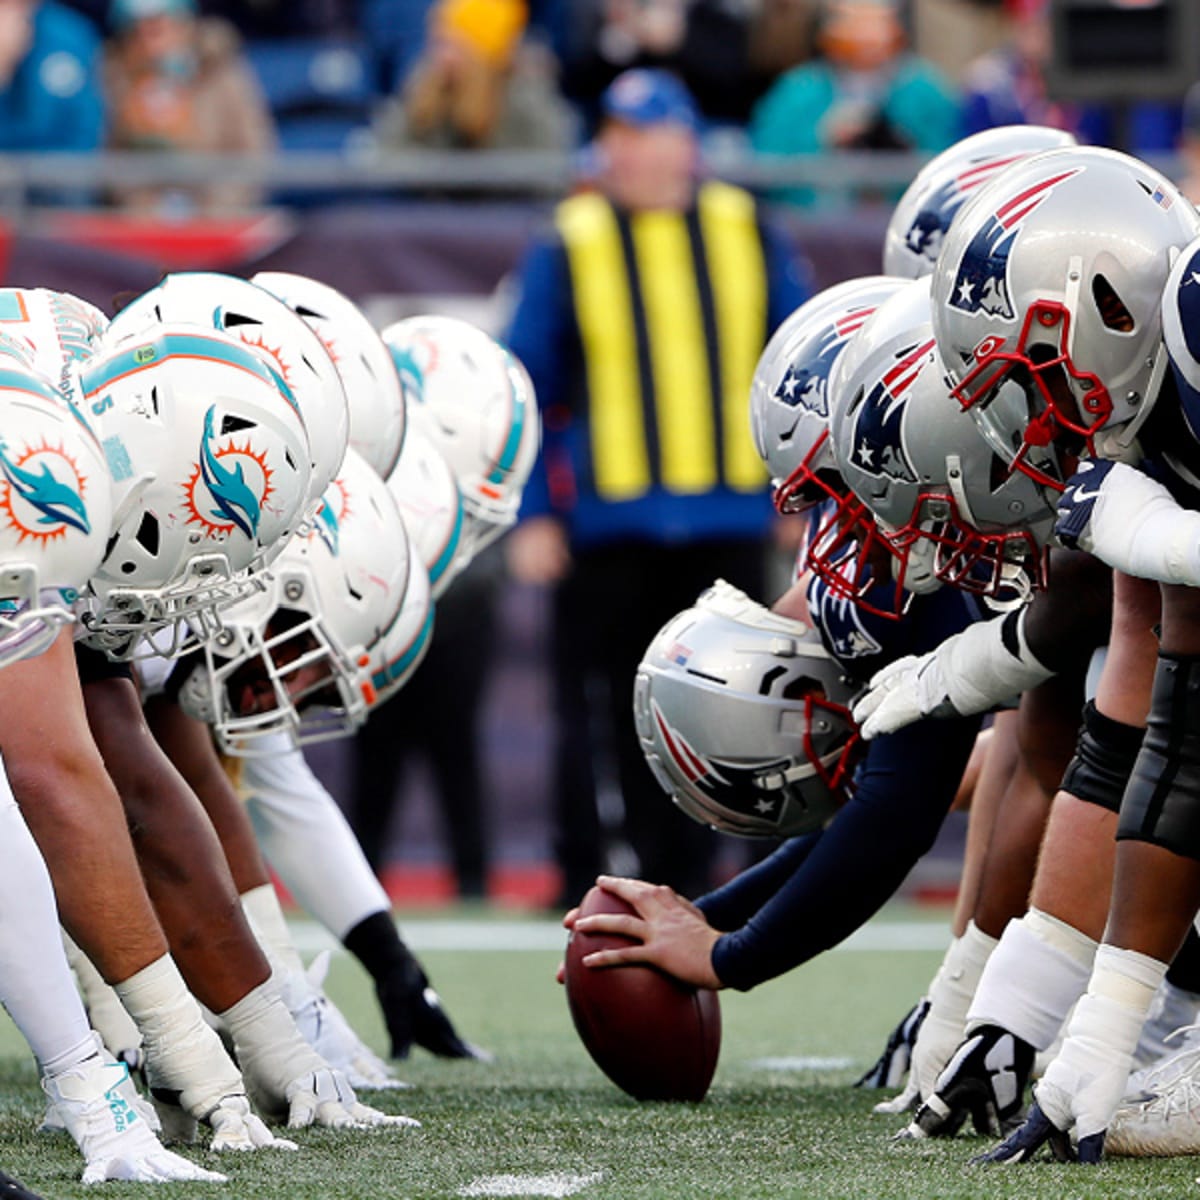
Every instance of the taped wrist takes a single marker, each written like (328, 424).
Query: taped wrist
(268, 1045)
(989, 663)
(185, 1060)
(1039, 969)
(1162, 802)
(1105, 755)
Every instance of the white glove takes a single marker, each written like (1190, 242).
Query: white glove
(325, 1098)
(114, 1139)
(327, 1031)
(984, 665)
(235, 1127)
(1131, 522)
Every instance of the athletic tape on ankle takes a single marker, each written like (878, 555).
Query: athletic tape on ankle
(1126, 977)
(1073, 943)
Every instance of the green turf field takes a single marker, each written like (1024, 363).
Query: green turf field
(544, 1114)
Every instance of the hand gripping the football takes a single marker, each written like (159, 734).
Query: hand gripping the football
(671, 933)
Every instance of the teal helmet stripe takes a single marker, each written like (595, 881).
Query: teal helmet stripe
(508, 456)
(25, 381)
(438, 568)
(155, 351)
(396, 668)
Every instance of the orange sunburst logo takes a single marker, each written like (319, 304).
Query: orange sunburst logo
(203, 509)
(329, 343)
(274, 353)
(42, 493)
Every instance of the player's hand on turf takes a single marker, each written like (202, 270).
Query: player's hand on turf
(325, 1098)
(671, 932)
(902, 692)
(235, 1127)
(1038, 1131)
(154, 1166)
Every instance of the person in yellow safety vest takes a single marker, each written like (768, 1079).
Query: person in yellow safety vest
(641, 317)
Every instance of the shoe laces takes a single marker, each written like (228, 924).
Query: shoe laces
(1181, 1064)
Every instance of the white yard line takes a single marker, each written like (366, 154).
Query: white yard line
(430, 933)
(561, 1183)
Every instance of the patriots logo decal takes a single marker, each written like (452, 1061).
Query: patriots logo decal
(805, 383)
(932, 221)
(981, 283)
(737, 787)
(877, 447)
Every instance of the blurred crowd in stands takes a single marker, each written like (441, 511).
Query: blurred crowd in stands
(782, 77)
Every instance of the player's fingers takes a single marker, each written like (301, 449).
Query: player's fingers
(571, 917)
(616, 958)
(560, 975)
(623, 923)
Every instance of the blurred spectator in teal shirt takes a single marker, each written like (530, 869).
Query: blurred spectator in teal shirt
(863, 92)
(50, 96)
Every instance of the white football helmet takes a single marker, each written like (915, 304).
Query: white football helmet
(210, 467)
(265, 324)
(1046, 301)
(743, 717)
(56, 331)
(476, 403)
(297, 658)
(377, 411)
(923, 217)
(789, 402)
(424, 487)
(400, 651)
(948, 507)
(55, 511)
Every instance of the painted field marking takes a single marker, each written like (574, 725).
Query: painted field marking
(561, 1183)
(801, 1063)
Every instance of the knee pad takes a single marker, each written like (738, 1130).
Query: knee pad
(1104, 758)
(1162, 801)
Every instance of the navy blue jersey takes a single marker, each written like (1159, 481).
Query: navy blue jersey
(814, 891)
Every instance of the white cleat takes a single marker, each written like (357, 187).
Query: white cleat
(114, 1137)
(1181, 1056)
(1164, 1126)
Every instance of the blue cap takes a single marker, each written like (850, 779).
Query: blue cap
(649, 97)
(125, 12)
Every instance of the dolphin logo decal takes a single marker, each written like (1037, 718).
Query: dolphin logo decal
(232, 495)
(412, 378)
(58, 502)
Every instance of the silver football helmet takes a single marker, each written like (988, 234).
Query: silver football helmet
(743, 718)
(950, 510)
(1046, 302)
(923, 217)
(789, 405)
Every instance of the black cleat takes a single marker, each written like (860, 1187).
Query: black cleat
(985, 1080)
(1038, 1131)
(892, 1065)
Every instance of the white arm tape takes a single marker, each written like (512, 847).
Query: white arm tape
(1137, 527)
(979, 670)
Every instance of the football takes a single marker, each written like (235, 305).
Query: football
(654, 1037)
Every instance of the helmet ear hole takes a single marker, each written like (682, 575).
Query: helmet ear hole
(148, 534)
(1113, 311)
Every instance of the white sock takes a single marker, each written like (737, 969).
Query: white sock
(104, 1008)
(1085, 1082)
(950, 996)
(35, 982)
(262, 909)
(1039, 969)
(306, 838)
(182, 1053)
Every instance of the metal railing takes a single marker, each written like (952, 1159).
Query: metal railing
(24, 179)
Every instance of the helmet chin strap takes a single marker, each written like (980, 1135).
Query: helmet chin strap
(1121, 444)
